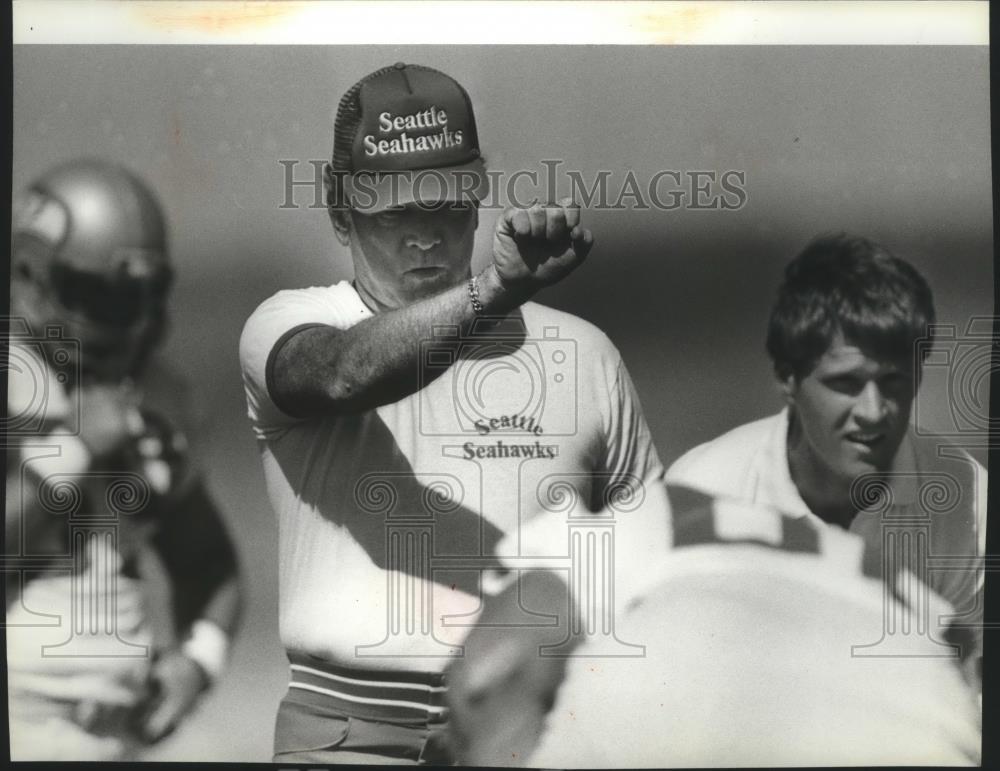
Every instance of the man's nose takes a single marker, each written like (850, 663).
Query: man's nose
(871, 405)
(423, 237)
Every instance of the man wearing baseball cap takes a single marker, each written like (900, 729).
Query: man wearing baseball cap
(412, 418)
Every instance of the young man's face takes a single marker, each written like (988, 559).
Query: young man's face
(407, 253)
(852, 411)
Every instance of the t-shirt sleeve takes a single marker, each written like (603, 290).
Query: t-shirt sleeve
(629, 454)
(271, 325)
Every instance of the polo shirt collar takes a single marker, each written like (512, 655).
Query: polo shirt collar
(776, 488)
(775, 485)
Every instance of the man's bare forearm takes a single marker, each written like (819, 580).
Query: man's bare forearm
(324, 370)
(378, 361)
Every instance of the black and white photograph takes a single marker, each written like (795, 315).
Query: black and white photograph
(515, 384)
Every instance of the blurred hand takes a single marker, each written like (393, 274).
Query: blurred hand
(539, 246)
(109, 417)
(175, 682)
(501, 689)
(62, 740)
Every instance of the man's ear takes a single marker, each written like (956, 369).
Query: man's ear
(338, 214)
(341, 225)
(787, 384)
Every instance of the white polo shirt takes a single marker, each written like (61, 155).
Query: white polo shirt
(937, 511)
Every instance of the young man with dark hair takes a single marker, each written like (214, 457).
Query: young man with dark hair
(410, 418)
(770, 632)
(847, 335)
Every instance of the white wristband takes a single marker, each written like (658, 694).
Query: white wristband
(207, 645)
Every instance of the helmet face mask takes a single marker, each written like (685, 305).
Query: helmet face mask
(90, 257)
(120, 299)
(117, 323)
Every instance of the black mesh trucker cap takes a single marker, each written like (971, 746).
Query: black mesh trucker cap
(406, 134)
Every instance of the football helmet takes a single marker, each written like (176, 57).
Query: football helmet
(89, 255)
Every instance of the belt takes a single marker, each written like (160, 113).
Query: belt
(390, 696)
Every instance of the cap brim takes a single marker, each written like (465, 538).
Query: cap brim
(371, 192)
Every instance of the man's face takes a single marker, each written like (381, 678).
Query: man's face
(853, 411)
(407, 253)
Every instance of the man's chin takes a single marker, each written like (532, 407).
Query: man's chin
(864, 459)
(865, 477)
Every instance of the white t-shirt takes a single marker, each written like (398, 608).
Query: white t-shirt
(937, 512)
(750, 623)
(387, 518)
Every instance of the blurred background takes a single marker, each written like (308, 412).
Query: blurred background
(888, 142)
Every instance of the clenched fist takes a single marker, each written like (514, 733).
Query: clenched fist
(539, 246)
